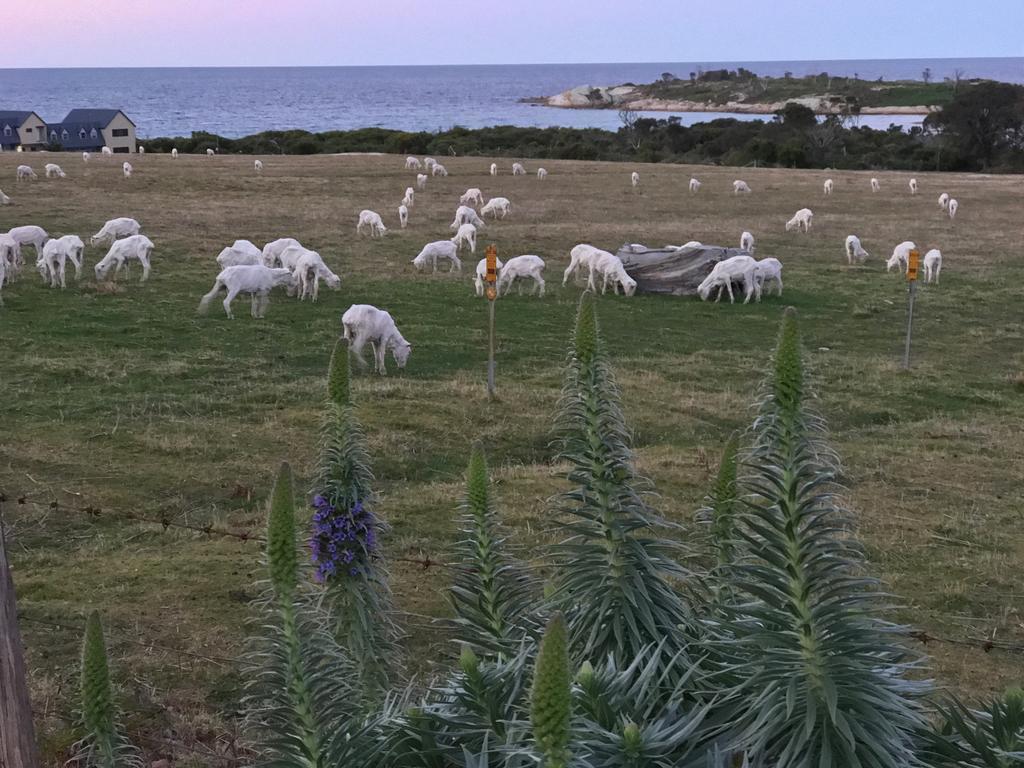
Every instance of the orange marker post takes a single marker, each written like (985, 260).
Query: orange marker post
(913, 265)
(491, 279)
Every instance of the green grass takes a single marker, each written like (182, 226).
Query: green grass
(129, 401)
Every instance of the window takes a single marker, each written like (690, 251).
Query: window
(121, 150)
(64, 134)
(92, 134)
(81, 133)
(119, 132)
(28, 130)
(7, 130)
(53, 136)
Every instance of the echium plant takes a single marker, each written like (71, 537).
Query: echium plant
(345, 535)
(992, 737)
(820, 680)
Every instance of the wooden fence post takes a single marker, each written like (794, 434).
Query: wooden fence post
(17, 735)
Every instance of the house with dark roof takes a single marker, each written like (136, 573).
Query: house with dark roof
(90, 130)
(21, 129)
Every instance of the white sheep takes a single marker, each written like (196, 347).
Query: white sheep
(581, 257)
(142, 150)
(900, 256)
(52, 263)
(126, 167)
(473, 195)
(210, 153)
(85, 157)
(944, 201)
(439, 249)
(610, 268)
(481, 273)
(412, 163)
(768, 271)
(954, 206)
(134, 248)
(913, 186)
(854, 250)
(52, 170)
(438, 170)
(308, 270)
(372, 220)
(518, 169)
(114, 229)
(747, 243)
(802, 218)
(520, 268)
(740, 186)
(3, 279)
(497, 205)
(10, 258)
(466, 215)
(494, 169)
(290, 257)
(737, 268)
(255, 279)
(465, 235)
(25, 172)
(932, 265)
(4, 199)
(410, 197)
(364, 323)
(429, 163)
(694, 186)
(421, 181)
(240, 253)
(272, 251)
(106, 151)
(174, 153)
(30, 235)
(829, 186)
(403, 215)
(634, 179)
(258, 165)
(875, 186)
(542, 173)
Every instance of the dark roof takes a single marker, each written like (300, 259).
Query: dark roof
(75, 139)
(13, 115)
(99, 117)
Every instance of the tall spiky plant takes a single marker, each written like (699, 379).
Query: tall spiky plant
(346, 534)
(992, 737)
(720, 509)
(492, 594)
(103, 745)
(613, 572)
(821, 677)
(551, 697)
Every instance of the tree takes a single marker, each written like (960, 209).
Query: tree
(983, 121)
(796, 115)
(628, 117)
(958, 76)
(927, 75)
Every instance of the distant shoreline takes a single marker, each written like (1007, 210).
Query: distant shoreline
(667, 105)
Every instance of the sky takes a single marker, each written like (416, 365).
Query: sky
(135, 33)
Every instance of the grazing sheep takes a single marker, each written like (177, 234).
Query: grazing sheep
(272, 251)
(403, 215)
(768, 271)
(255, 279)
(127, 168)
(4, 199)
(954, 206)
(412, 163)
(913, 186)
(364, 323)
(472, 195)
(174, 153)
(740, 186)
(610, 268)
(372, 220)
(210, 153)
(741, 269)
(52, 169)
(438, 170)
(875, 186)
(900, 256)
(494, 169)
(25, 172)
(944, 201)
(291, 256)
(239, 254)
(932, 265)
(519, 268)
(10, 258)
(542, 173)
(142, 150)
(466, 215)
(106, 151)
(634, 179)
(85, 157)
(747, 243)
(481, 273)
(497, 205)
(136, 247)
(854, 250)
(802, 218)
(56, 252)
(581, 257)
(439, 249)
(466, 235)
(429, 163)
(410, 197)
(114, 229)
(3, 279)
(694, 186)
(30, 235)
(308, 270)
(518, 169)
(258, 165)
(421, 181)
(829, 186)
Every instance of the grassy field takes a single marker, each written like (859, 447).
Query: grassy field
(128, 401)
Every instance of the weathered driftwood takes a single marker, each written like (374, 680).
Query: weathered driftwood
(672, 271)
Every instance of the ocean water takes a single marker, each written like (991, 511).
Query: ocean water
(236, 101)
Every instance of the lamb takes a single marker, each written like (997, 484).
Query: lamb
(372, 220)
(854, 251)
(30, 235)
(518, 169)
(542, 173)
(403, 215)
(210, 153)
(768, 271)
(519, 268)
(439, 249)
(900, 256)
(412, 163)
(466, 215)
(174, 153)
(421, 180)
(137, 247)
(740, 186)
(944, 201)
(694, 186)
(106, 151)
(634, 179)
(272, 251)
(410, 197)
(472, 195)
(25, 172)
(115, 228)
(255, 279)
(829, 185)
(802, 218)
(466, 234)
(875, 186)
(438, 170)
(932, 265)
(85, 157)
(364, 323)
(581, 257)
(4, 199)
(497, 205)
(737, 268)
(127, 168)
(55, 255)
(258, 165)
(240, 253)
(913, 186)
(308, 270)
(954, 206)
(610, 268)
(52, 169)
(429, 163)
(747, 243)
(494, 169)
(481, 273)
